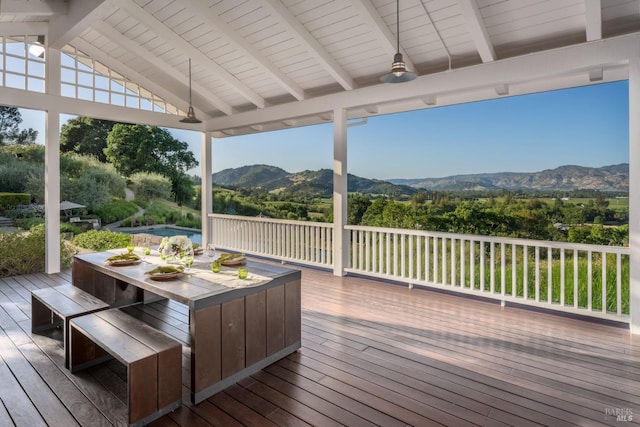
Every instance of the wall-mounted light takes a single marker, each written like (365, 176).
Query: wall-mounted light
(37, 49)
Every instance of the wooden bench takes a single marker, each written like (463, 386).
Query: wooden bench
(152, 359)
(55, 307)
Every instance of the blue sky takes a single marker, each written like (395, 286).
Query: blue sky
(586, 126)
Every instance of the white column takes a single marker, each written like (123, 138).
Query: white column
(52, 167)
(634, 192)
(340, 236)
(206, 206)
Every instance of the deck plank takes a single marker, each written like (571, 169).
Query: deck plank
(373, 353)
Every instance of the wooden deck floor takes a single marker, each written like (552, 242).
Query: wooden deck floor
(372, 354)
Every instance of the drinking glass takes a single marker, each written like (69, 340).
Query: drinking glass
(215, 266)
(211, 250)
(146, 249)
(187, 259)
(242, 272)
(130, 245)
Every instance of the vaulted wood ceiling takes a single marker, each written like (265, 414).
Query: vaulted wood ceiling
(265, 64)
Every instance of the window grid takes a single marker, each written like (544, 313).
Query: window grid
(87, 79)
(20, 69)
(81, 77)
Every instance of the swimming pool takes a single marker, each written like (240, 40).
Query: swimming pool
(194, 235)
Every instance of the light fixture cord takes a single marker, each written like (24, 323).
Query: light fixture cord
(398, 26)
(189, 82)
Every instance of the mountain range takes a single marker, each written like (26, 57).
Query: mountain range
(569, 177)
(320, 183)
(306, 183)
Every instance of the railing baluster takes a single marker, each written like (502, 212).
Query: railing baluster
(589, 281)
(453, 263)
(537, 272)
(472, 264)
(618, 284)
(503, 269)
(463, 270)
(444, 260)
(562, 276)
(576, 299)
(525, 272)
(514, 271)
(404, 260)
(492, 268)
(549, 275)
(419, 240)
(427, 259)
(604, 282)
(388, 254)
(482, 266)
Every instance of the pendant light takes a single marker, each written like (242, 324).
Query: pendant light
(399, 72)
(191, 115)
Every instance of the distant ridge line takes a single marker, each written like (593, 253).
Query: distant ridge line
(320, 183)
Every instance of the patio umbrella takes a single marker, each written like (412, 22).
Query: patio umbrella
(66, 206)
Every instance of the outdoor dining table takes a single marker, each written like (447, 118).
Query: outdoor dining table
(236, 326)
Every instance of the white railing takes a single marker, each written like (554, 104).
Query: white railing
(296, 241)
(492, 267)
(510, 270)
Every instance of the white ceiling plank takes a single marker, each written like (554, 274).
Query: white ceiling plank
(131, 74)
(82, 14)
(533, 67)
(210, 18)
(387, 40)
(302, 36)
(477, 29)
(593, 16)
(179, 43)
(159, 64)
(34, 8)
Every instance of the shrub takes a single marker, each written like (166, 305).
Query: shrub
(116, 210)
(189, 222)
(101, 240)
(27, 223)
(26, 252)
(67, 227)
(14, 199)
(149, 186)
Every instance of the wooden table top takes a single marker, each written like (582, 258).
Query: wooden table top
(199, 287)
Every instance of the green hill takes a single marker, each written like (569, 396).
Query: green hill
(306, 183)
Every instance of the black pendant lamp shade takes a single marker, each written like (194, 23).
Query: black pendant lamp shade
(399, 72)
(191, 115)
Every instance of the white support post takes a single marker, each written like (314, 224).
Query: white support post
(52, 168)
(206, 203)
(340, 239)
(634, 193)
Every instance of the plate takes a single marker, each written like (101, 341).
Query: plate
(123, 262)
(234, 262)
(164, 276)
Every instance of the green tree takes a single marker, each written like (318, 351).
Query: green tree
(10, 132)
(357, 205)
(182, 189)
(140, 148)
(85, 135)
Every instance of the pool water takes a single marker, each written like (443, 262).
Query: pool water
(194, 235)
